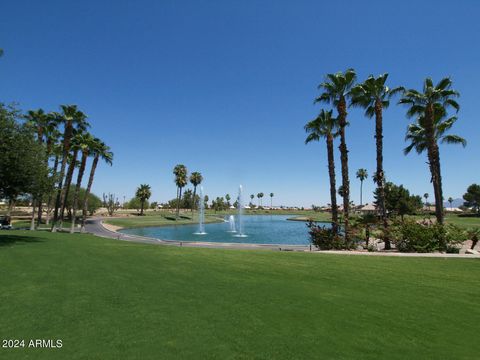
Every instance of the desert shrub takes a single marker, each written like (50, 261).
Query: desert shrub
(324, 238)
(411, 236)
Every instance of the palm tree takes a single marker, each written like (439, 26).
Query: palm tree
(98, 150)
(429, 105)
(336, 90)
(70, 115)
(374, 96)
(181, 174)
(326, 126)
(38, 119)
(450, 201)
(143, 193)
(426, 198)
(420, 135)
(271, 200)
(362, 174)
(251, 198)
(195, 179)
(86, 142)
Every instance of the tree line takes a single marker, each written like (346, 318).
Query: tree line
(429, 107)
(39, 154)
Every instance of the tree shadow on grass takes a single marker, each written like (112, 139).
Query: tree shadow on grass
(10, 239)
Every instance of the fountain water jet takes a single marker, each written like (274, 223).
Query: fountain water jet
(201, 214)
(240, 213)
(231, 221)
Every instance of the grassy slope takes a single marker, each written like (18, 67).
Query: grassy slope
(109, 300)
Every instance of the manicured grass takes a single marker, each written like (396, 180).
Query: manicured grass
(160, 219)
(109, 299)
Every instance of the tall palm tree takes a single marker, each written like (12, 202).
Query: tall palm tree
(337, 91)
(450, 201)
(326, 126)
(38, 120)
(99, 151)
(271, 199)
(426, 198)
(181, 174)
(251, 198)
(86, 142)
(143, 193)
(362, 174)
(69, 116)
(196, 179)
(417, 135)
(431, 105)
(374, 96)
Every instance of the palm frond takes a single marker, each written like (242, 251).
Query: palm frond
(454, 139)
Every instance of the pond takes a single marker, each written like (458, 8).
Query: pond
(259, 229)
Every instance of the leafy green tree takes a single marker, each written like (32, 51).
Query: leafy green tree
(362, 174)
(181, 175)
(337, 91)
(143, 193)
(326, 126)
(196, 179)
(23, 167)
(399, 201)
(429, 106)
(228, 198)
(472, 197)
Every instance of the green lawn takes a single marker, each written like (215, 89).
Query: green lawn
(109, 299)
(161, 219)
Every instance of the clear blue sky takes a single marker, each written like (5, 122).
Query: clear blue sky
(225, 87)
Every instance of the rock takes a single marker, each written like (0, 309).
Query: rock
(472, 252)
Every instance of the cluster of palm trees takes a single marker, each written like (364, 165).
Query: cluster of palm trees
(260, 196)
(68, 145)
(181, 180)
(429, 107)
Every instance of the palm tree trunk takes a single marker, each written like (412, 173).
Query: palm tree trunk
(379, 175)
(434, 163)
(49, 201)
(333, 187)
(32, 222)
(142, 202)
(194, 199)
(87, 192)
(342, 112)
(361, 192)
(68, 182)
(81, 170)
(66, 150)
(178, 203)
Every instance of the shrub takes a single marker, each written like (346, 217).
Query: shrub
(411, 236)
(324, 238)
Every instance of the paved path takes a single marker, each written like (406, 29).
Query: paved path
(95, 226)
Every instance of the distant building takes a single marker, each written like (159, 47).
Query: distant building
(368, 209)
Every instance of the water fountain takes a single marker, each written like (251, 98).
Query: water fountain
(231, 221)
(240, 213)
(201, 214)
